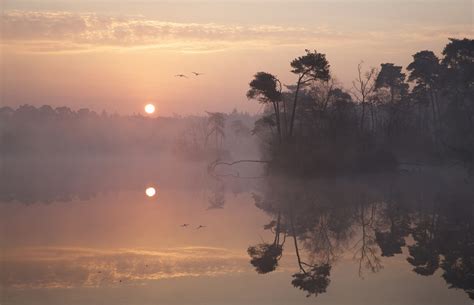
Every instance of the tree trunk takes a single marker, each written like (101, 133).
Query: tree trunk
(277, 118)
(372, 117)
(292, 120)
(285, 120)
(362, 116)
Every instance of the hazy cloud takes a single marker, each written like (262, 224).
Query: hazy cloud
(47, 31)
(63, 31)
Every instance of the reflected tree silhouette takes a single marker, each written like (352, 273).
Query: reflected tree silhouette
(366, 252)
(424, 255)
(217, 198)
(392, 240)
(315, 281)
(374, 217)
(265, 256)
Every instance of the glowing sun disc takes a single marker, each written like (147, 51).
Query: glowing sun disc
(149, 108)
(150, 192)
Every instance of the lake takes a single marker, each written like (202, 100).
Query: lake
(86, 232)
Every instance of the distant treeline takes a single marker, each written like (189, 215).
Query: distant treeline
(48, 131)
(31, 130)
(388, 116)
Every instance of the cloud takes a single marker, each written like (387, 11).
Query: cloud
(77, 267)
(47, 31)
(64, 31)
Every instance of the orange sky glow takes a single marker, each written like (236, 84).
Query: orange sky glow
(82, 55)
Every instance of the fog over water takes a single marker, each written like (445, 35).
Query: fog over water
(84, 231)
(236, 152)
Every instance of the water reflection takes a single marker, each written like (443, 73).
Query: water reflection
(310, 235)
(427, 218)
(53, 267)
(32, 180)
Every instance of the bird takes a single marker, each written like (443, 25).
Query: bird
(200, 227)
(197, 73)
(181, 75)
(184, 225)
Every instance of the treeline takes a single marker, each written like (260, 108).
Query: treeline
(28, 130)
(388, 116)
(217, 136)
(47, 131)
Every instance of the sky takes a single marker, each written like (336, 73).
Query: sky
(118, 55)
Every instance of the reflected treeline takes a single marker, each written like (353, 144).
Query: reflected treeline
(48, 180)
(427, 218)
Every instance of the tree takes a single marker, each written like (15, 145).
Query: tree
(266, 88)
(239, 128)
(364, 86)
(459, 56)
(262, 125)
(425, 71)
(459, 82)
(309, 67)
(391, 77)
(216, 124)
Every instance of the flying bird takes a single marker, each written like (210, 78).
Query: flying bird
(197, 73)
(184, 225)
(181, 75)
(200, 227)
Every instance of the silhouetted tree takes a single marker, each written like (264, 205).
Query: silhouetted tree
(426, 71)
(459, 90)
(309, 67)
(391, 77)
(266, 88)
(364, 86)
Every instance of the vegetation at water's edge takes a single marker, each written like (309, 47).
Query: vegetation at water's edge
(318, 127)
(313, 127)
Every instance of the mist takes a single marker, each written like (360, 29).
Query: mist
(237, 153)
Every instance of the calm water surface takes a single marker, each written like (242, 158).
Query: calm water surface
(86, 232)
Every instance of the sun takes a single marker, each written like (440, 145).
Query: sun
(150, 108)
(150, 192)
